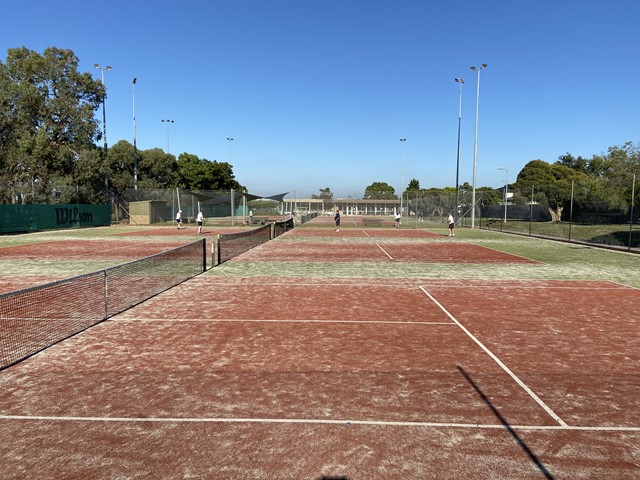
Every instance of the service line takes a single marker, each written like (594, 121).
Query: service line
(385, 252)
(310, 421)
(531, 393)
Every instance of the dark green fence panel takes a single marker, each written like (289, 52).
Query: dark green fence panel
(15, 218)
(31, 218)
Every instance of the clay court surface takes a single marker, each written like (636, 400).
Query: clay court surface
(274, 377)
(383, 252)
(86, 249)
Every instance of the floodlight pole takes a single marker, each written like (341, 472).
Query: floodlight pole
(402, 140)
(506, 186)
(633, 198)
(135, 149)
(475, 148)
(104, 129)
(167, 122)
(459, 81)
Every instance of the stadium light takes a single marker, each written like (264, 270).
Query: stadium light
(104, 128)
(506, 186)
(402, 140)
(229, 139)
(168, 122)
(460, 81)
(475, 147)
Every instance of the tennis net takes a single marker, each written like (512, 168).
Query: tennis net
(227, 246)
(35, 318)
(282, 227)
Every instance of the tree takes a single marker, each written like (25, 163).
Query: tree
(202, 174)
(414, 185)
(157, 169)
(552, 180)
(47, 120)
(616, 171)
(490, 196)
(380, 191)
(324, 193)
(579, 164)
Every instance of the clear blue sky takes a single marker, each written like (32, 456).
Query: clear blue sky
(318, 93)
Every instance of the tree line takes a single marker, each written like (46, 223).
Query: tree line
(602, 183)
(49, 139)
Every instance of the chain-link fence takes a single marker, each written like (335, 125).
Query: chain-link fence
(571, 211)
(149, 206)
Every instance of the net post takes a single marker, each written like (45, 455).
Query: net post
(204, 254)
(215, 251)
(106, 294)
(218, 249)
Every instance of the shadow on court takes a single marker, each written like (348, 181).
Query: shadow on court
(506, 425)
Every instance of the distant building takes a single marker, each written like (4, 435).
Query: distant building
(348, 206)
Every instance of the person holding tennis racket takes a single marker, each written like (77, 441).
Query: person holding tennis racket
(200, 221)
(337, 219)
(179, 219)
(452, 225)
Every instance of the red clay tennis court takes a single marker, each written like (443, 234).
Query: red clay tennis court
(231, 376)
(89, 251)
(378, 251)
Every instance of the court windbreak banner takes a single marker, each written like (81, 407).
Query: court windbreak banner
(31, 218)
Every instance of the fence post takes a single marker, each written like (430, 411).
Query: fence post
(233, 216)
(571, 211)
(531, 209)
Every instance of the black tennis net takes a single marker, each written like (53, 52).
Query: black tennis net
(35, 318)
(282, 227)
(229, 245)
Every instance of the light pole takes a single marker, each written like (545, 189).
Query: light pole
(104, 128)
(475, 148)
(402, 140)
(229, 139)
(459, 81)
(168, 122)
(506, 187)
(135, 149)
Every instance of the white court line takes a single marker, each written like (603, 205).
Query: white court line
(531, 393)
(312, 421)
(366, 234)
(450, 283)
(236, 320)
(385, 252)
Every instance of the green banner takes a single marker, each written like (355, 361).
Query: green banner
(31, 218)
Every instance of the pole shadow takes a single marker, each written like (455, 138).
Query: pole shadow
(506, 425)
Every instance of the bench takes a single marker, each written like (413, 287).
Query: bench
(372, 222)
